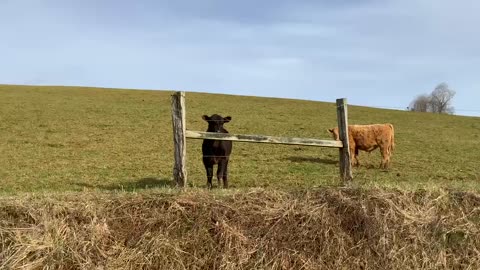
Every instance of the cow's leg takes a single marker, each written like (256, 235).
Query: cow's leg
(385, 157)
(225, 175)
(209, 169)
(222, 172)
(219, 176)
(353, 160)
(353, 156)
(357, 162)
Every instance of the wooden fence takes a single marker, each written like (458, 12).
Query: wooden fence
(180, 134)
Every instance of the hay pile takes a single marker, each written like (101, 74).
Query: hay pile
(258, 229)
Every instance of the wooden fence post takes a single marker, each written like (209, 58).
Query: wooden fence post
(345, 164)
(179, 139)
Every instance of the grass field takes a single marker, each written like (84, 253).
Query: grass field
(71, 139)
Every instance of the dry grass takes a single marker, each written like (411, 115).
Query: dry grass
(248, 229)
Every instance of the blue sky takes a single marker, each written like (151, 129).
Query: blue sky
(375, 53)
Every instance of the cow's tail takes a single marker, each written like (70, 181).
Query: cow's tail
(392, 138)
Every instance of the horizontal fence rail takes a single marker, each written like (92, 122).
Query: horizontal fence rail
(180, 134)
(262, 139)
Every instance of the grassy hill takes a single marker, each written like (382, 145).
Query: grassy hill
(75, 138)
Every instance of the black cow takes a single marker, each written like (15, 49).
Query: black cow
(216, 151)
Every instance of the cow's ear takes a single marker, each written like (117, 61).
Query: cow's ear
(227, 119)
(330, 130)
(205, 117)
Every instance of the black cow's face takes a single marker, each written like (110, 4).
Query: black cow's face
(215, 122)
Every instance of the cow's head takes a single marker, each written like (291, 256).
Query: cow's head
(334, 132)
(215, 122)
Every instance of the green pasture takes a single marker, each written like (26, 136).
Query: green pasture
(56, 139)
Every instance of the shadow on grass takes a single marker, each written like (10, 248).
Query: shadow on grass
(312, 160)
(370, 166)
(143, 183)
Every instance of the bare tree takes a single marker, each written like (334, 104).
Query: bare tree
(439, 101)
(420, 104)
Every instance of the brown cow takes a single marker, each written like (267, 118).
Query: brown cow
(369, 138)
